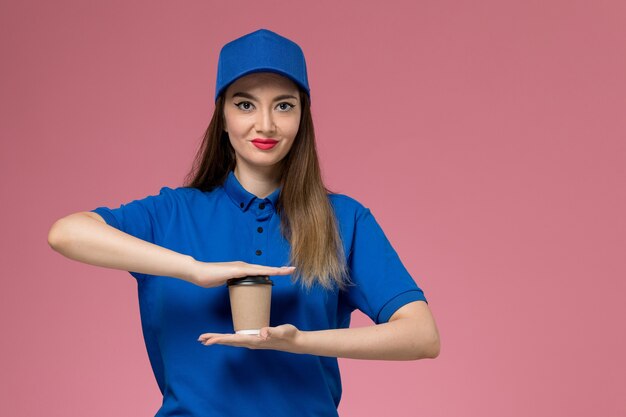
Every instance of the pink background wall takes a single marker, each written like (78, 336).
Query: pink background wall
(487, 137)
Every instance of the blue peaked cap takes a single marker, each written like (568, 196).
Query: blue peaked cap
(261, 51)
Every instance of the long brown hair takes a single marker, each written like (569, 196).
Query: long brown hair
(307, 218)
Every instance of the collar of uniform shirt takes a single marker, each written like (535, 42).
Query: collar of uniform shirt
(242, 197)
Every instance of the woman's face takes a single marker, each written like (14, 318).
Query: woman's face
(261, 105)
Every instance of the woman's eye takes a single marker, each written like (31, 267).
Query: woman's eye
(285, 106)
(244, 105)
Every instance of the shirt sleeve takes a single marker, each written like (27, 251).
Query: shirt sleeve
(382, 283)
(142, 218)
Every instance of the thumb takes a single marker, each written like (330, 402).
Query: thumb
(265, 333)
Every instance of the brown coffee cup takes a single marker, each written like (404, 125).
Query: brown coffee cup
(250, 301)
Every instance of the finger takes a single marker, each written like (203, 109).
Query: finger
(265, 333)
(285, 270)
(219, 339)
(208, 340)
(233, 340)
(225, 336)
(271, 270)
(206, 336)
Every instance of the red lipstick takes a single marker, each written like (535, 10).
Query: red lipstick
(264, 144)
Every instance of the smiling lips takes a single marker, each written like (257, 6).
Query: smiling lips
(264, 144)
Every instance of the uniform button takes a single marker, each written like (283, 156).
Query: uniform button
(259, 229)
(258, 252)
(262, 206)
(241, 205)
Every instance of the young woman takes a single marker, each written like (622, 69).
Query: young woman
(255, 202)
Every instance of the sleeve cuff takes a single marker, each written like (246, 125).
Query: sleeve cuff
(107, 216)
(398, 301)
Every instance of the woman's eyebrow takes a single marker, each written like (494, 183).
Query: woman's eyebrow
(251, 97)
(245, 95)
(284, 97)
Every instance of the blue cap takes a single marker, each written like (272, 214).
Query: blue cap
(261, 51)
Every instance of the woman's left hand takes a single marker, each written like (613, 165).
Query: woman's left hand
(285, 337)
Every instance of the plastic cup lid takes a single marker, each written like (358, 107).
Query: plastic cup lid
(250, 280)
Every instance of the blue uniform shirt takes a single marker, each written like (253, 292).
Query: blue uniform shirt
(231, 224)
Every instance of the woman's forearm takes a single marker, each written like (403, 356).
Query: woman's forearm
(402, 339)
(91, 241)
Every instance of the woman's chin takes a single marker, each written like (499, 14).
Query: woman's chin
(262, 162)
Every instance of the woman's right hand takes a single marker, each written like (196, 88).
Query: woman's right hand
(214, 274)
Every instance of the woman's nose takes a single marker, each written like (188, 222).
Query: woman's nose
(265, 121)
